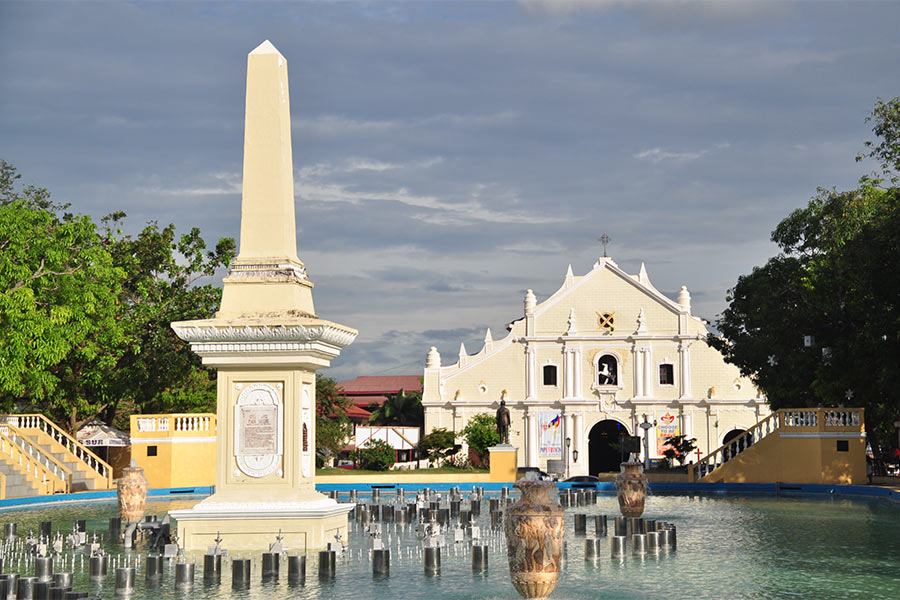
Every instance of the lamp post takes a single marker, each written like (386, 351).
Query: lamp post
(568, 445)
(647, 426)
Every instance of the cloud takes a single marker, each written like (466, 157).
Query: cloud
(657, 155)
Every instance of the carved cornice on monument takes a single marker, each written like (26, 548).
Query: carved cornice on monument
(199, 332)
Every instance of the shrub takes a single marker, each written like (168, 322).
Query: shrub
(437, 445)
(481, 433)
(375, 455)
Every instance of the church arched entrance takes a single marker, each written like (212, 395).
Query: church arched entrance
(604, 453)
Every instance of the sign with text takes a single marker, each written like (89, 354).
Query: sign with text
(666, 427)
(550, 433)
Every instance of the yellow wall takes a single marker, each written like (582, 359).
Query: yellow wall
(185, 449)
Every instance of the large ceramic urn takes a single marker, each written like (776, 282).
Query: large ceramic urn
(535, 526)
(132, 492)
(631, 489)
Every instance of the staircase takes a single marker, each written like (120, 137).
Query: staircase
(39, 458)
(795, 445)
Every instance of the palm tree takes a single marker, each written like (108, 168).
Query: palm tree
(400, 409)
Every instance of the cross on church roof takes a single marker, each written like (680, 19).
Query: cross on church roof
(604, 239)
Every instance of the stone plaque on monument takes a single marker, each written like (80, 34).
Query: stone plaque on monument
(258, 429)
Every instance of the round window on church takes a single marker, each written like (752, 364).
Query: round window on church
(607, 320)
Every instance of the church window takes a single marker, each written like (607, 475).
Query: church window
(607, 370)
(607, 320)
(549, 375)
(666, 374)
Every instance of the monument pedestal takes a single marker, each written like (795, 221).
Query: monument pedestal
(254, 525)
(504, 462)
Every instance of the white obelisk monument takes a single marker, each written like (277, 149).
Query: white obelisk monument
(266, 344)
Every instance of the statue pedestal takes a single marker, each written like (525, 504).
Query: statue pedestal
(504, 461)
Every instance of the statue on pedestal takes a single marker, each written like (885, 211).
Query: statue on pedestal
(503, 422)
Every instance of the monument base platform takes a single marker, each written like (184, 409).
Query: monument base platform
(254, 525)
(504, 460)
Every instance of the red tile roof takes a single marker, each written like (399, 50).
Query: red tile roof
(381, 385)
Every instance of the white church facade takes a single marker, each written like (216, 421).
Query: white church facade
(604, 353)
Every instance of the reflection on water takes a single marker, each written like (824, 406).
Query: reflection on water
(727, 547)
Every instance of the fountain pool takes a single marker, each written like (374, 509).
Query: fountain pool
(747, 547)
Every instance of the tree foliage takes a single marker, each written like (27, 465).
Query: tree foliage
(437, 445)
(85, 311)
(481, 433)
(679, 447)
(333, 427)
(400, 409)
(375, 455)
(835, 279)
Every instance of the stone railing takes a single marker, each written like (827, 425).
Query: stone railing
(806, 420)
(173, 425)
(81, 453)
(51, 476)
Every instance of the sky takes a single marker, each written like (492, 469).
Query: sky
(449, 156)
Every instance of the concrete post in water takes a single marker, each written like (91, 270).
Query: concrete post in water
(376, 496)
(297, 569)
(9, 531)
(580, 524)
(600, 525)
(240, 572)
(327, 564)
(591, 549)
(4, 585)
(25, 589)
(270, 564)
(653, 542)
(124, 580)
(496, 519)
(479, 558)
(639, 544)
(184, 575)
(454, 508)
(43, 568)
(62, 580)
(381, 562)
(621, 527)
(42, 590)
(58, 593)
(153, 566)
(673, 543)
(212, 567)
(476, 508)
(617, 546)
(98, 566)
(432, 560)
(387, 514)
(46, 529)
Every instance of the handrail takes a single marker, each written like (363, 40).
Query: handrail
(36, 452)
(818, 419)
(726, 452)
(73, 446)
(49, 480)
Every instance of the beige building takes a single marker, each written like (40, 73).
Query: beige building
(587, 365)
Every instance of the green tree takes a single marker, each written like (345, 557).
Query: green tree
(333, 427)
(375, 455)
(679, 447)
(59, 319)
(481, 433)
(400, 409)
(834, 280)
(437, 445)
(158, 372)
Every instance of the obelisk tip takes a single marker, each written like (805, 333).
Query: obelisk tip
(266, 48)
